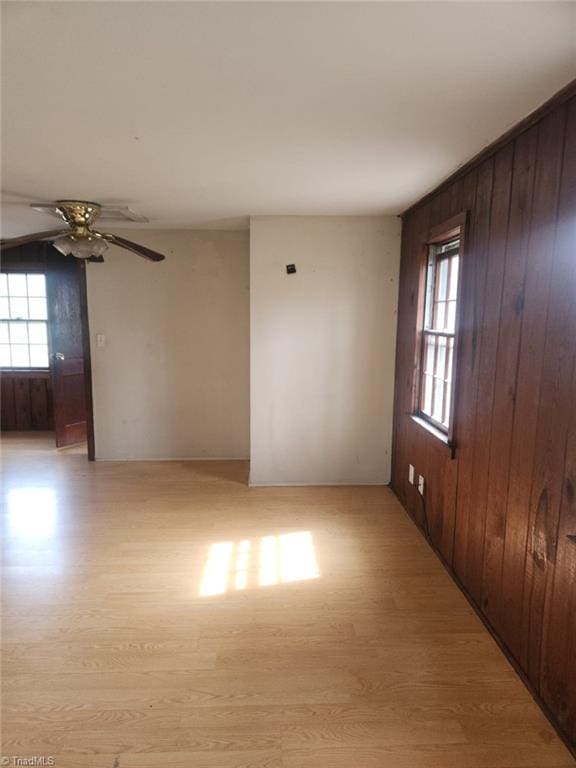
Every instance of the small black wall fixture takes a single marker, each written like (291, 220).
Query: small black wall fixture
(290, 269)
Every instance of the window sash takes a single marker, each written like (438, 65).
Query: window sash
(437, 368)
(438, 335)
(441, 299)
(24, 337)
(36, 352)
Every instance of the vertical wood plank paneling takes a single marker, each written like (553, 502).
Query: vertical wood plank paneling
(22, 404)
(26, 402)
(488, 340)
(440, 208)
(456, 197)
(535, 306)
(507, 501)
(558, 674)
(411, 276)
(472, 310)
(8, 404)
(417, 452)
(558, 667)
(503, 402)
(40, 413)
(555, 406)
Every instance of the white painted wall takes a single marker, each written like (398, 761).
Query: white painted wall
(322, 348)
(173, 378)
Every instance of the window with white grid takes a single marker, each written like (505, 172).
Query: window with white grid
(439, 331)
(23, 320)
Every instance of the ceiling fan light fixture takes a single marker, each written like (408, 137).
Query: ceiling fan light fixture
(81, 248)
(80, 239)
(98, 247)
(64, 245)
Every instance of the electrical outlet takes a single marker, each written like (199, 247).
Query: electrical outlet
(420, 485)
(411, 474)
(100, 340)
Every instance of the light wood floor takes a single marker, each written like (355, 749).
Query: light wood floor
(138, 634)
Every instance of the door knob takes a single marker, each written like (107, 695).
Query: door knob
(59, 356)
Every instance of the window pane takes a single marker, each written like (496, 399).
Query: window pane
(36, 285)
(37, 333)
(4, 308)
(442, 280)
(438, 400)
(448, 389)
(18, 333)
(427, 399)
(451, 319)
(4, 338)
(441, 357)
(3, 285)
(18, 309)
(20, 356)
(428, 311)
(447, 406)
(5, 361)
(429, 364)
(39, 356)
(454, 278)
(17, 285)
(440, 316)
(450, 359)
(38, 309)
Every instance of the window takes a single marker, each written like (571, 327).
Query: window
(23, 321)
(438, 335)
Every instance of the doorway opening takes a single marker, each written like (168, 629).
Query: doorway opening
(45, 348)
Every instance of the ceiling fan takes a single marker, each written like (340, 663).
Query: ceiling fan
(80, 239)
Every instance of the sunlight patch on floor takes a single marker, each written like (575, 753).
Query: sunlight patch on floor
(31, 513)
(279, 559)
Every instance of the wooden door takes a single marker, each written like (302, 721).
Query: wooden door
(66, 297)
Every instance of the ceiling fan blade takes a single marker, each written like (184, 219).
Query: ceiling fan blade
(14, 242)
(141, 250)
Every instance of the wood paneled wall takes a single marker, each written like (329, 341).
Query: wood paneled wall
(26, 401)
(500, 512)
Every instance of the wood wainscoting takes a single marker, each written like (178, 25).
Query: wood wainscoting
(500, 512)
(26, 400)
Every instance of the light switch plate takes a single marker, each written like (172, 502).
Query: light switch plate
(100, 340)
(411, 474)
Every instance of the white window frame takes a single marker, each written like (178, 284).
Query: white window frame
(25, 321)
(441, 235)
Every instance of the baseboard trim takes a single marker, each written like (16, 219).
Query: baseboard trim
(177, 458)
(302, 484)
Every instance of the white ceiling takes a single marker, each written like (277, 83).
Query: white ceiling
(201, 114)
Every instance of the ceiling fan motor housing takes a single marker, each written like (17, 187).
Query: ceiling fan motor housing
(79, 215)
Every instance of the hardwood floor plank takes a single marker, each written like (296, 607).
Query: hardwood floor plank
(136, 634)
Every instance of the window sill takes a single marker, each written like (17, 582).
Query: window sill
(36, 373)
(437, 433)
